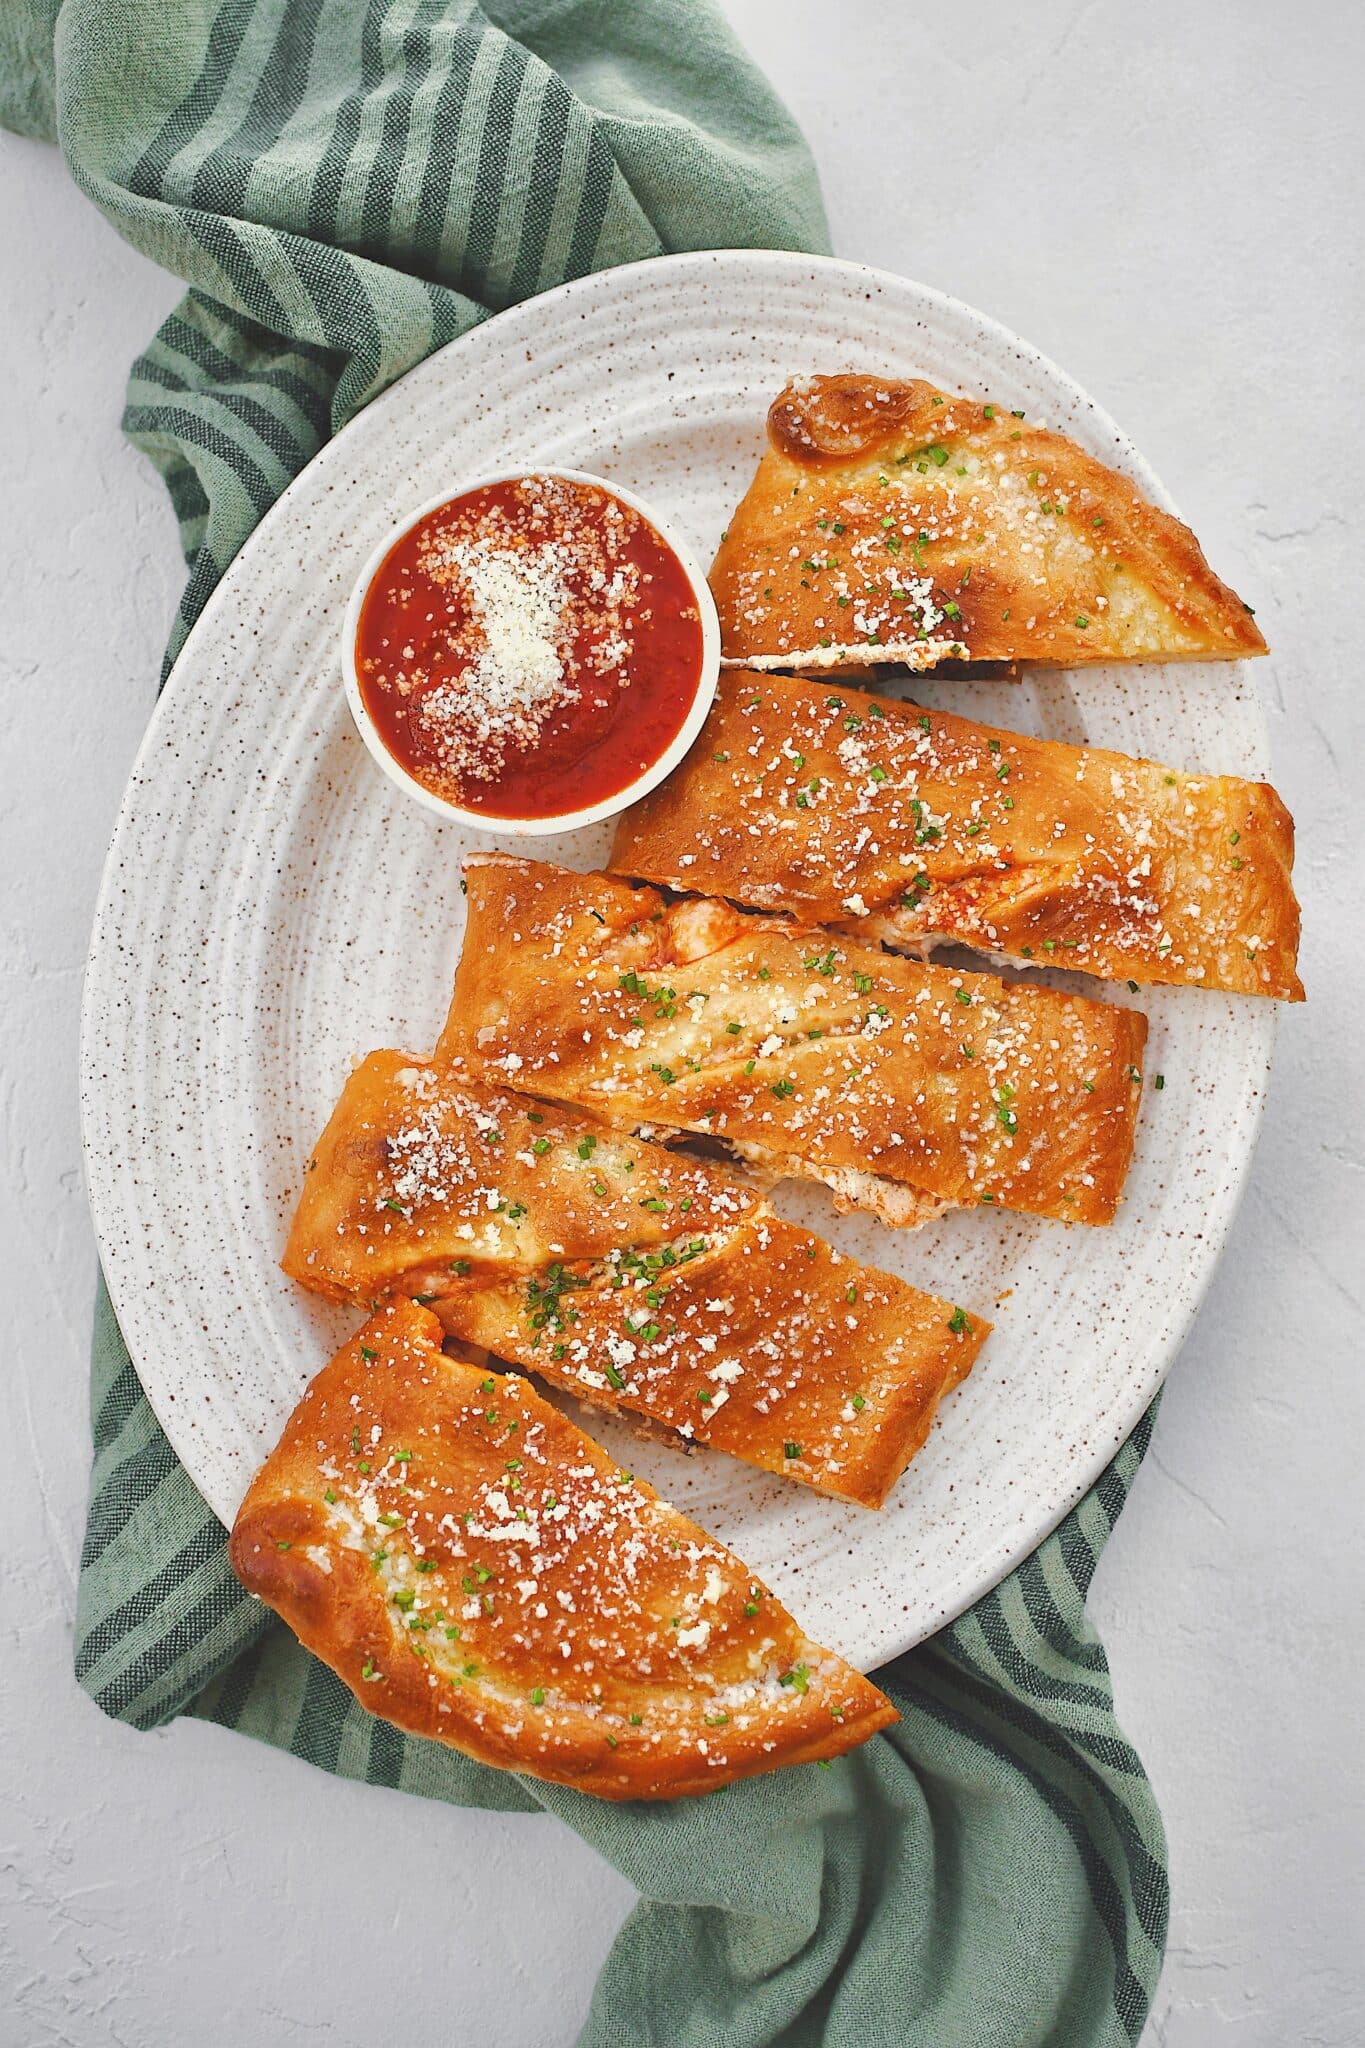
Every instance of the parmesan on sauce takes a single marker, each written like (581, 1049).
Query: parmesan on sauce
(530, 648)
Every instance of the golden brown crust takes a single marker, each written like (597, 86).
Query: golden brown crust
(823, 803)
(636, 1278)
(478, 1571)
(894, 515)
(831, 1056)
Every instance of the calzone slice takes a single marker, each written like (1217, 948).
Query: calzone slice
(905, 1088)
(478, 1571)
(637, 1278)
(913, 826)
(891, 521)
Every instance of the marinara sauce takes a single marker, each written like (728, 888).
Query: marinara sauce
(530, 648)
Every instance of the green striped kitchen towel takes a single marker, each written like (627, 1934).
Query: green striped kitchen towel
(347, 185)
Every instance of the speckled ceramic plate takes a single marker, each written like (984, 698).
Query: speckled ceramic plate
(273, 908)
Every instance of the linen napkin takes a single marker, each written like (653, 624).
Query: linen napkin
(346, 185)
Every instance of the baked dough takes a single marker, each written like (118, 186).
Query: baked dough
(837, 1061)
(639, 1279)
(895, 516)
(478, 1571)
(825, 803)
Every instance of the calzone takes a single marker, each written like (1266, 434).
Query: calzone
(906, 1088)
(636, 1278)
(890, 521)
(481, 1573)
(912, 827)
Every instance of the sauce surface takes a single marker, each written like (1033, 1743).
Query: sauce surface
(529, 649)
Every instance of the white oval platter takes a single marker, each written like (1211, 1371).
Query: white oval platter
(273, 908)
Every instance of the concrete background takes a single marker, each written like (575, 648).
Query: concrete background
(1169, 201)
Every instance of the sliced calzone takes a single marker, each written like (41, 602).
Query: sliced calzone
(637, 1278)
(905, 1088)
(478, 1571)
(891, 521)
(911, 826)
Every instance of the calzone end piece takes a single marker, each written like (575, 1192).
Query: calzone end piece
(913, 826)
(478, 1571)
(906, 1088)
(891, 521)
(637, 1278)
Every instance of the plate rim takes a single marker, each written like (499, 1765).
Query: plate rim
(990, 1567)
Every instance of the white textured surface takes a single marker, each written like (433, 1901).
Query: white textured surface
(1171, 207)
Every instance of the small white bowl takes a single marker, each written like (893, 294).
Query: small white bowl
(562, 821)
